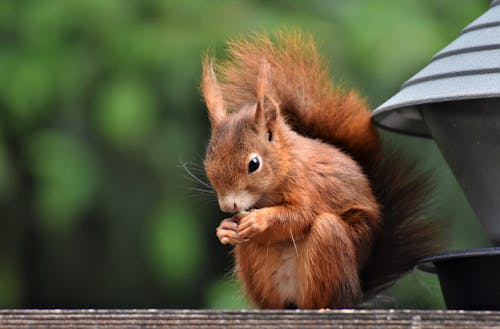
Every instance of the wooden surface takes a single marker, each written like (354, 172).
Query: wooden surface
(247, 319)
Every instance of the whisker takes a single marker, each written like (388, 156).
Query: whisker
(193, 177)
(194, 166)
(197, 182)
(201, 190)
(202, 199)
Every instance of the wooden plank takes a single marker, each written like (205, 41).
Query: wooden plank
(153, 318)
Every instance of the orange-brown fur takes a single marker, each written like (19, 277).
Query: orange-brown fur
(318, 211)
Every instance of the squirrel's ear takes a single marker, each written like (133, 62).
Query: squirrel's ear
(212, 94)
(269, 114)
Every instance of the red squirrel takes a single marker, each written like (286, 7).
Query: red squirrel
(320, 218)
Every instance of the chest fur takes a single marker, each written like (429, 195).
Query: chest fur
(286, 276)
(270, 271)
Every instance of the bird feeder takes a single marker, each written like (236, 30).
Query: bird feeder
(455, 100)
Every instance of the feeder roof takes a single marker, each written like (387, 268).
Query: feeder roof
(468, 68)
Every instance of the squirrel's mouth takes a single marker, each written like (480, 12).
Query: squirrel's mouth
(246, 211)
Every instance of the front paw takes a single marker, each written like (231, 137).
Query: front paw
(227, 232)
(252, 223)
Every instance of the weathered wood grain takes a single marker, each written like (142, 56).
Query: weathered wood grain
(114, 319)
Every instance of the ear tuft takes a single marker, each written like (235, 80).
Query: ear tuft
(263, 81)
(265, 116)
(212, 94)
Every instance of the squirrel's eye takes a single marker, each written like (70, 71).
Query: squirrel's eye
(254, 164)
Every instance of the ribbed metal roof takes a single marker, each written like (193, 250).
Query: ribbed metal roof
(468, 68)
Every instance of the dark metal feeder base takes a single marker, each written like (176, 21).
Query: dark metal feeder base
(470, 279)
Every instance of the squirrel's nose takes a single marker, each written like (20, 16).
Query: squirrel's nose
(228, 204)
(234, 202)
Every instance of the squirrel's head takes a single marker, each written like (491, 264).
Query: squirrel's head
(243, 155)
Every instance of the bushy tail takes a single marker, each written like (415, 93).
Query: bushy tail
(408, 232)
(313, 106)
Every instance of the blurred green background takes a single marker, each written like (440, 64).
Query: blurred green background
(99, 106)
